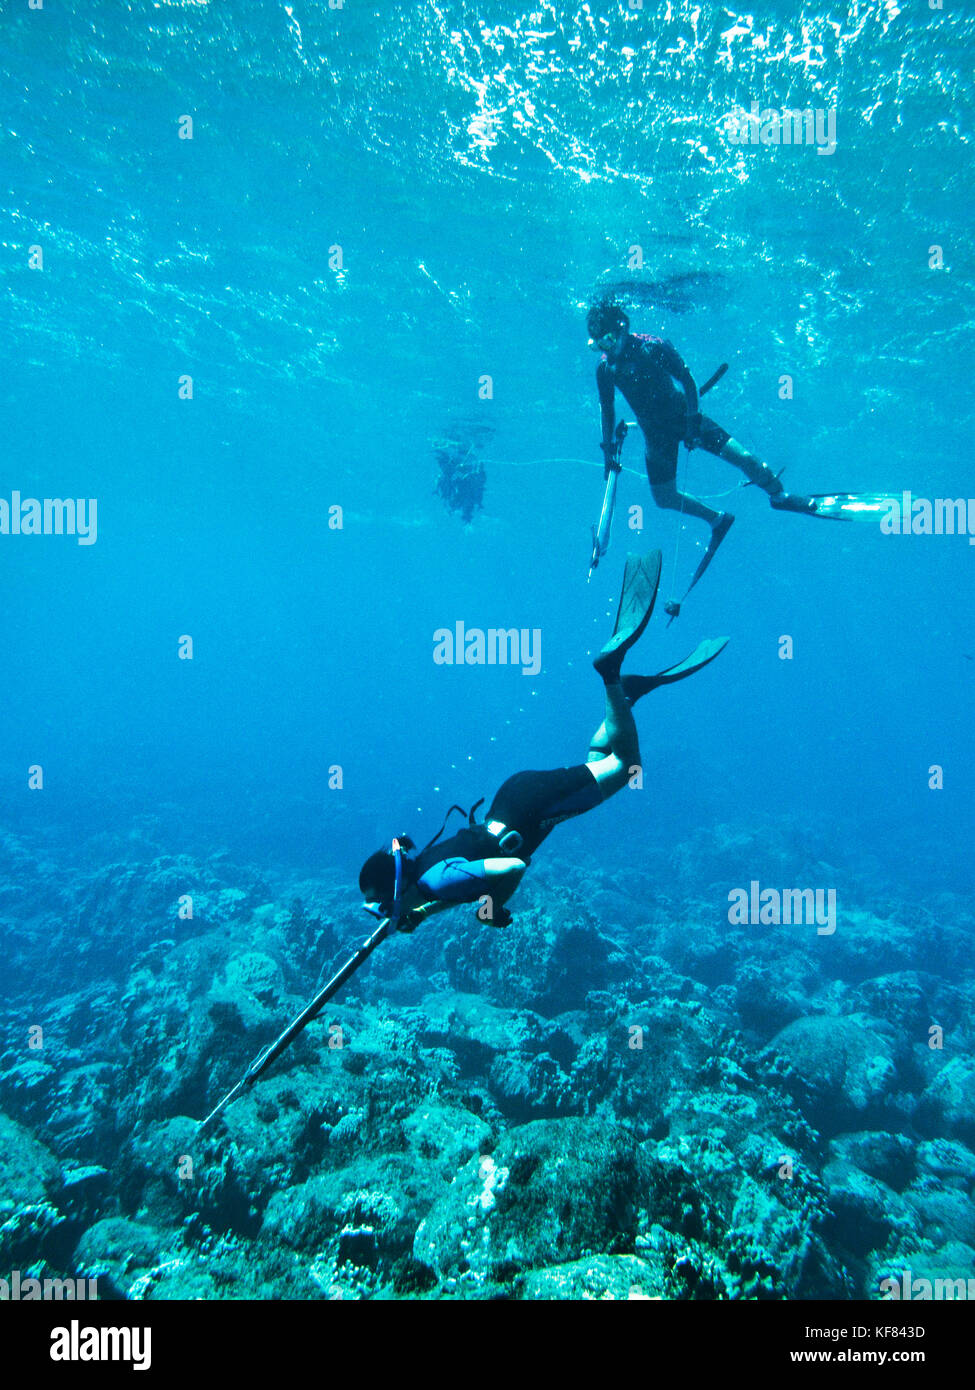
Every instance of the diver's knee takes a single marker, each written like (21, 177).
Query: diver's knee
(611, 775)
(665, 495)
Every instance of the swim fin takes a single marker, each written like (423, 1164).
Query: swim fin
(720, 529)
(635, 687)
(718, 532)
(641, 579)
(851, 506)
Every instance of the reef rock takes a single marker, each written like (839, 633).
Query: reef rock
(551, 1192)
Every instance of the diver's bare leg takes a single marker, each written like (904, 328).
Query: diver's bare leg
(615, 746)
(762, 476)
(666, 495)
(753, 468)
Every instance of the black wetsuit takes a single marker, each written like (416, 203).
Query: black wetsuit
(534, 803)
(531, 803)
(647, 373)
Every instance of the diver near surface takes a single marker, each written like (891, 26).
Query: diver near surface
(655, 381)
(484, 862)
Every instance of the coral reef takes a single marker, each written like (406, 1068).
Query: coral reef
(616, 1097)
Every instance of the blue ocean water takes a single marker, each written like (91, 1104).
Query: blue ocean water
(379, 208)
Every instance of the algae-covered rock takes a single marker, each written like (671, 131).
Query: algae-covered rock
(32, 1232)
(29, 1172)
(944, 1214)
(118, 1249)
(948, 1103)
(603, 1277)
(889, 1157)
(552, 1191)
(227, 1269)
(901, 999)
(927, 1272)
(866, 945)
(843, 1069)
(250, 994)
(165, 1171)
(545, 963)
(947, 1160)
(531, 1087)
(865, 1212)
(773, 1248)
(366, 1213)
(445, 1135)
(472, 1028)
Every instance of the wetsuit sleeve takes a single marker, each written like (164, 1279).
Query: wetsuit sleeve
(677, 367)
(466, 880)
(607, 405)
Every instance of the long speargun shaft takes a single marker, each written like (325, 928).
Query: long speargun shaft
(601, 533)
(299, 1024)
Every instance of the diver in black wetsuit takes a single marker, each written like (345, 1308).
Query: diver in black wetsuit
(655, 382)
(484, 862)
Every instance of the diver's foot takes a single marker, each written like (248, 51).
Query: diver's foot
(641, 580)
(610, 660)
(720, 529)
(791, 502)
(635, 687)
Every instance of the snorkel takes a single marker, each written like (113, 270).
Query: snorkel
(394, 909)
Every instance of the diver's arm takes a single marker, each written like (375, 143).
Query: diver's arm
(680, 371)
(465, 880)
(607, 411)
(502, 877)
(454, 881)
(457, 881)
(409, 921)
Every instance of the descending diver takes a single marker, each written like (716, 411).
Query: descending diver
(484, 862)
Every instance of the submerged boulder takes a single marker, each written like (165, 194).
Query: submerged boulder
(551, 1192)
(840, 1070)
(948, 1103)
(29, 1172)
(889, 1157)
(603, 1277)
(117, 1250)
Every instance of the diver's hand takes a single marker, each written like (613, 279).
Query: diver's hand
(692, 433)
(500, 916)
(611, 463)
(410, 920)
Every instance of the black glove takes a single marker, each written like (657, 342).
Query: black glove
(611, 463)
(410, 920)
(692, 433)
(500, 917)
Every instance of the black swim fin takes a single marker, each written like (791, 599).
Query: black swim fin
(635, 687)
(641, 580)
(718, 532)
